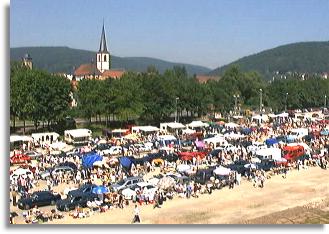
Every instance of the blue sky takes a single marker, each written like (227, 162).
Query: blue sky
(203, 32)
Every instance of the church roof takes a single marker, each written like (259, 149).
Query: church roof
(113, 73)
(87, 69)
(102, 45)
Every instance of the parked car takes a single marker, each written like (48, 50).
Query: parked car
(266, 165)
(20, 159)
(41, 198)
(227, 148)
(170, 157)
(187, 145)
(215, 152)
(84, 189)
(126, 183)
(115, 150)
(190, 155)
(69, 164)
(238, 166)
(255, 147)
(73, 201)
(33, 154)
(103, 149)
(142, 147)
(203, 176)
(57, 169)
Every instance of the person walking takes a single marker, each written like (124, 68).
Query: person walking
(136, 218)
(14, 195)
(285, 171)
(156, 200)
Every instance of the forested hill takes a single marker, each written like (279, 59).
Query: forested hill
(63, 59)
(308, 57)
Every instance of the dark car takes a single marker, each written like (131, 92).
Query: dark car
(42, 198)
(69, 164)
(73, 201)
(171, 157)
(215, 152)
(282, 139)
(33, 154)
(84, 189)
(238, 166)
(203, 176)
(266, 165)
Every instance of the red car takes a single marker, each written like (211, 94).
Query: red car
(20, 159)
(190, 155)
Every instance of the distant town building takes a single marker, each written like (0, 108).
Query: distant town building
(101, 69)
(27, 61)
(204, 79)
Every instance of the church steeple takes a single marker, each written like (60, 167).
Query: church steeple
(102, 45)
(103, 58)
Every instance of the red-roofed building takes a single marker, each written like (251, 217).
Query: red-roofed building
(204, 79)
(87, 71)
(112, 73)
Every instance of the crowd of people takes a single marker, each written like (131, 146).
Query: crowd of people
(108, 174)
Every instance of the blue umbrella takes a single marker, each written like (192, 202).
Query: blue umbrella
(125, 162)
(89, 159)
(271, 141)
(100, 190)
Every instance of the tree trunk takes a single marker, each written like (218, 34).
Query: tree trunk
(24, 127)
(14, 123)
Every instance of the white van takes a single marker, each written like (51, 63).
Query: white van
(298, 133)
(168, 142)
(77, 136)
(269, 153)
(216, 141)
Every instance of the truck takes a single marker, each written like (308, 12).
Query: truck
(77, 136)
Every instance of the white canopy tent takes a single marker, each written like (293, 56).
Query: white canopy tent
(119, 130)
(237, 117)
(59, 145)
(233, 135)
(15, 138)
(260, 118)
(144, 129)
(272, 116)
(283, 115)
(231, 125)
(173, 125)
(197, 124)
(188, 131)
(222, 171)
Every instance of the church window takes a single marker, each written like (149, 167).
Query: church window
(104, 58)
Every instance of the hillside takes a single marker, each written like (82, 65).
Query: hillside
(63, 59)
(309, 57)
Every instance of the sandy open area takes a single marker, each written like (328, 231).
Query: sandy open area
(244, 204)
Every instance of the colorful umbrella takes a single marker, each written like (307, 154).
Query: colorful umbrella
(100, 190)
